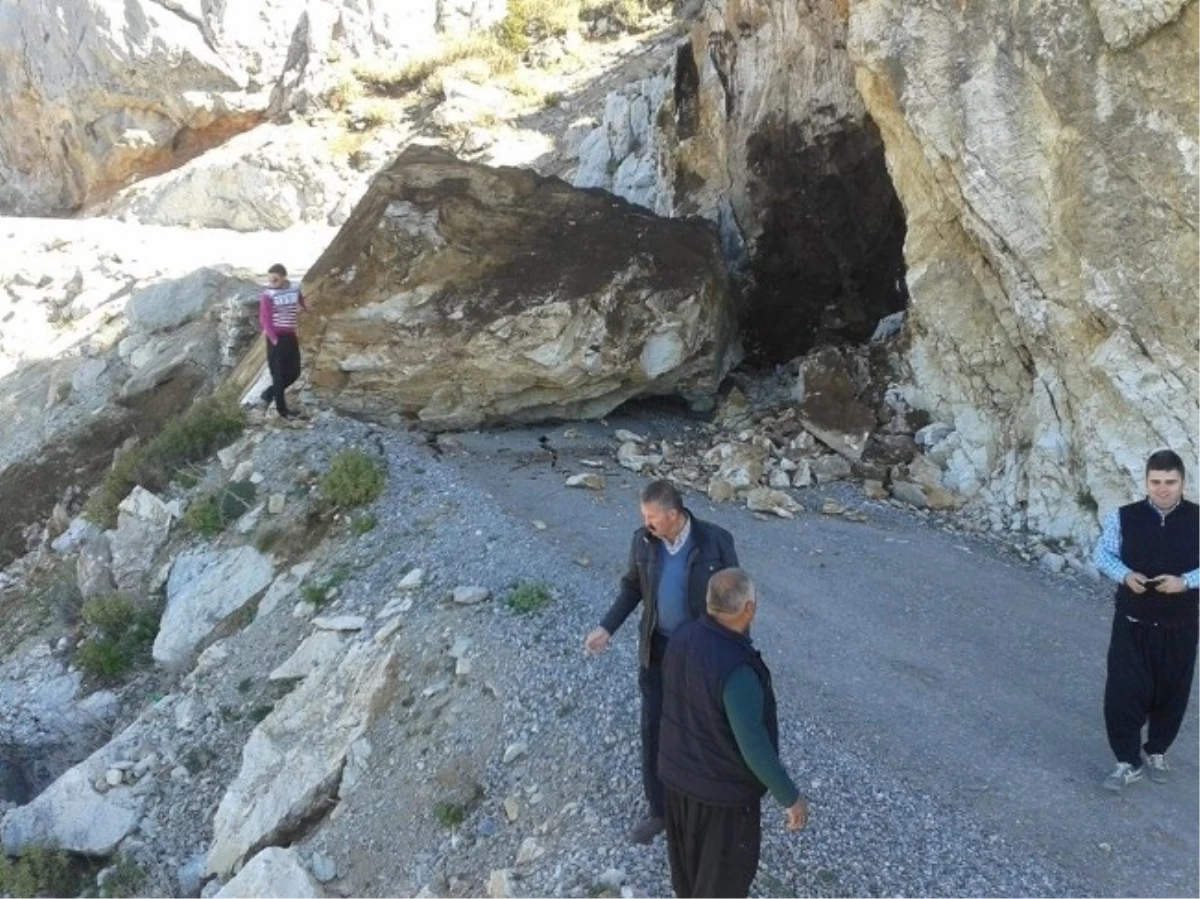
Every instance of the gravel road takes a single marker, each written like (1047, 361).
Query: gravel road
(940, 699)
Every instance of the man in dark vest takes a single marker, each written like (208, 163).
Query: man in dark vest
(719, 746)
(670, 561)
(1151, 548)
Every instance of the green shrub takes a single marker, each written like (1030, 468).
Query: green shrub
(38, 872)
(118, 637)
(206, 427)
(529, 596)
(363, 524)
(203, 517)
(353, 479)
(210, 515)
(449, 814)
(125, 879)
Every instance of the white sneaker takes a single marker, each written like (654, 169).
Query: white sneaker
(1123, 775)
(1158, 769)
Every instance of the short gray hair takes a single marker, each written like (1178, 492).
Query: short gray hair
(663, 494)
(729, 590)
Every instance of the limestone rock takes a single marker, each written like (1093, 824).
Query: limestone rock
(169, 304)
(274, 873)
(316, 650)
(448, 297)
(204, 588)
(829, 405)
(93, 568)
(282, 588)
(776, 502)
(293, 761)
(630, 456)
(588, 480)
(1050, 195)
(829, 468)
(143, 526)
(740, 465)
(908, 492)
(70, 815)
(471, 595)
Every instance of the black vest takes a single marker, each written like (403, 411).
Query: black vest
(697, 752)
(1155, 545)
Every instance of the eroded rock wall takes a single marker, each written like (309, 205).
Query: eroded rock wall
(757, 125)
(1046, 158)
(96, 93)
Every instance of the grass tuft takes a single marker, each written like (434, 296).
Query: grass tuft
(353, 479)
(529, 596)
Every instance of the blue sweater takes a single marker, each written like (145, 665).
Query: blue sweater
(672, 587)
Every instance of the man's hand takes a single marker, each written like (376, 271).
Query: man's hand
(596, 642)
(1136, 581)
(1168, 583)
(797, 815)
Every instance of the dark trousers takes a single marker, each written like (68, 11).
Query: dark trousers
(650, 682)
(1149, 679)
(283, 361)
(713, 849)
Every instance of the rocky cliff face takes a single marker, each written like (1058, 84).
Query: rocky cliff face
(109, 92)
(1046, 160)
(757, 125)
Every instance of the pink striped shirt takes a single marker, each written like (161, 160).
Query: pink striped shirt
(279, 310)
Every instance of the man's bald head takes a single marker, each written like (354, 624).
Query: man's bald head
(729, 590)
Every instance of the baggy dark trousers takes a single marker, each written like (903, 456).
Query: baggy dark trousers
(712, 849)
(283, 360)
(1150, 671)
(650, 684)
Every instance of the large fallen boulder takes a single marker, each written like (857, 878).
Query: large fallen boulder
(463, 295)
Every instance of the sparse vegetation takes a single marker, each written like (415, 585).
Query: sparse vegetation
(124, 879)
(118, 637)
(206, 427)
(354, 479)
(1086, 501)
(210, 515)
(320, 592)
(529, 596)
(38, 872)
(386, 80)
(363, 524)
(449, 814)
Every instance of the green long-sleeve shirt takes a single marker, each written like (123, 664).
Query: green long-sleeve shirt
(743, 699)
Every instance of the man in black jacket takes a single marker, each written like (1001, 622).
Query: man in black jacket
(1151, 548)
(670, 561)
(719, 746)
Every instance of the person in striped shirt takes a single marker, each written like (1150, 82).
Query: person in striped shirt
(279, 309)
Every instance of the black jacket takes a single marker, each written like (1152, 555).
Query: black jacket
(712, 549)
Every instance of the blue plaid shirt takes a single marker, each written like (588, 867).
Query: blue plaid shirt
(1107, 556)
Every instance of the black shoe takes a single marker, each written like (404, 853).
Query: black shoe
(646, 830)
(268, 395)
(289, 415)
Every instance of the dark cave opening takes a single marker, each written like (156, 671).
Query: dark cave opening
(829, 262)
